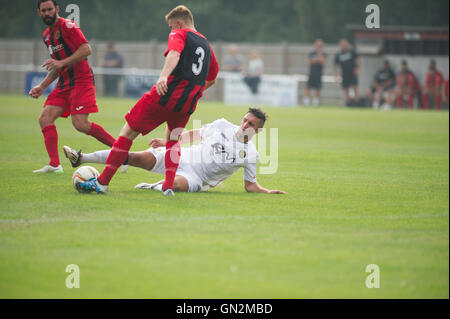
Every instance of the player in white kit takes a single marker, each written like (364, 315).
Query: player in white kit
(224, 148)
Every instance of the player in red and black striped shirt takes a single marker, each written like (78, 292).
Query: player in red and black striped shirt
(189, 69)
(74, 94)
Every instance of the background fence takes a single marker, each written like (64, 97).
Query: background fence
(19, 56)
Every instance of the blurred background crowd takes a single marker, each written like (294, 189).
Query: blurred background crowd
(321, 48)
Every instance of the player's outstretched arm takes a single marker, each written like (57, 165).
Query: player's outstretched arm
(38, 90)
(256, 188)
(82, 53)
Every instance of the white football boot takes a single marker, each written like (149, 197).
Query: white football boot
(73, 156)
(168, 192)
(50, 169)
(156, 187)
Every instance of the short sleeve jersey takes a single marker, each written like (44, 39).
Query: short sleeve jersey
(220, 154)
(384, 75)
(406, 79)
(316, 68)
(434, 80)
(347, 61)
(62, 41)
(187, 81)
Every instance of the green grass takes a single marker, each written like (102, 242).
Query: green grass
(363, 187)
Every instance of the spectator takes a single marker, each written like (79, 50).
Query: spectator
(316, 60)
(433, 86)
(383, 86)
(408, 85)
(112, 60)
(233, 62)
(348, 60)
(254, 72)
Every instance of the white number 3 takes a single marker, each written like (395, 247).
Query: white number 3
(197, 69)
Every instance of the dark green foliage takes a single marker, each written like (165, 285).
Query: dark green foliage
(220, 20)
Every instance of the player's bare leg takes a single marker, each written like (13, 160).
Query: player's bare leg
(399, 93)
(356, 93)
(346, 96)
(316, 99)
(145, 160)
(425, 94)
(437, 98)
(390, 97)
(116, 158)
(47, 122)
(378, 96)
(82, 124)
(306, 99)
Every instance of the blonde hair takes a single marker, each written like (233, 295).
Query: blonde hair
(180, 13)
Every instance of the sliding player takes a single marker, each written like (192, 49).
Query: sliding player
(224, 148)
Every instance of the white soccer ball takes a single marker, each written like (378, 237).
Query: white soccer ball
(83, 174)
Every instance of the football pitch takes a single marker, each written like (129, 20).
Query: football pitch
(363, 187)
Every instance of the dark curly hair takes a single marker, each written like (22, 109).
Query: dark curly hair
(259, 114)
(42, 1)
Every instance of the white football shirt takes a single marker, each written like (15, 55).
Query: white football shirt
(220, 154)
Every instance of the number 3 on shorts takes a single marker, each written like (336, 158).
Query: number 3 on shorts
(197, 69)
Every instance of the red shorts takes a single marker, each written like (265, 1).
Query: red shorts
(74, 100)
(148, 114)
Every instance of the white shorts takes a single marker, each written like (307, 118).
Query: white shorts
(195, 182)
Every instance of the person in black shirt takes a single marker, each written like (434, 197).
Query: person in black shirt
(383, 86)
(316, 60)
(112, 60)
(348, 60)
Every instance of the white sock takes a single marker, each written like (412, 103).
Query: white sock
(99, 157)
(316, 101)
(306, 100)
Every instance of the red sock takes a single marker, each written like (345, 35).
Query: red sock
(400, 101)
(100, 134)
(51, 144)
(425, 102)
(117, 157)
(410, 100)
(437, 100)
(171, 159)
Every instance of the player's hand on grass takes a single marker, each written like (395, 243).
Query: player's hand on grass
(157, 142)
(276, 192)
(36, 92)
(52, 64)
(161, 86)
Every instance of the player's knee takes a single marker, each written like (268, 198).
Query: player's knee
(180, 184)
(45, 120)
(81, 125)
